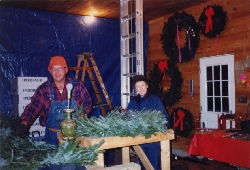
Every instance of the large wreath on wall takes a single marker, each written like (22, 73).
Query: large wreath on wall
(171, 30)
(158, 75)
(182, 121)
(212, 21)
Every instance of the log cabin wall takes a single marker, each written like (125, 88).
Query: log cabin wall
(235, 38)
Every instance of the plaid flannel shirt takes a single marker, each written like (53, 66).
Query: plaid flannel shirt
(40, 102)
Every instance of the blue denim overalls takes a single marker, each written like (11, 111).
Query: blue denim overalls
(56, 115)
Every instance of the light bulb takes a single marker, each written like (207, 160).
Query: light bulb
(69, 87)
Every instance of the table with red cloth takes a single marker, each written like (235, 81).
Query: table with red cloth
(219, 146)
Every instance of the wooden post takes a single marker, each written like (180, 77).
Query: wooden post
(165, 155)
(100, 160)
(125, 155)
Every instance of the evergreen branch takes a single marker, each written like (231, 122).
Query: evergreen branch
(131, 123)
(21, 153)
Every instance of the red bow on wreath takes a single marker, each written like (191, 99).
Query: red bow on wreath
(163, 65)
(181, 115)
(209, 12)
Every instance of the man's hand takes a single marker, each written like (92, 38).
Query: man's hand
(20, 129)
(81, 115)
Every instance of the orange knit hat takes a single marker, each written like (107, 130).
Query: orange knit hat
(57, 60)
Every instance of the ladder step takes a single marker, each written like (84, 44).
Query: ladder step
(100, 105)
(89, 64)
(86, 55)
(80, 68)
(130, 94)
(129, 36)
(132, 55)
(128, 17)
(129, 74)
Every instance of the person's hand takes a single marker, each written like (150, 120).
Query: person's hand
(81, 115)
(20, 129)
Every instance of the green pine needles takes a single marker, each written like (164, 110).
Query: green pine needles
(21, 153)
(70, 153)
(130, 123)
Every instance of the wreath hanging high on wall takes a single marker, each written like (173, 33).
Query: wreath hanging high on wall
(182, 121)
(212, 21)
(158, 74)
(171, 30)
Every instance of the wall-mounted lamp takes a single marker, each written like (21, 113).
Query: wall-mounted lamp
(191, 87)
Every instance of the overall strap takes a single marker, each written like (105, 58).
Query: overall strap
(51, 95)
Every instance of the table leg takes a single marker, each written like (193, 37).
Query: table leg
(125, 155)
(100, 160)
(165, 155)
(143, 157)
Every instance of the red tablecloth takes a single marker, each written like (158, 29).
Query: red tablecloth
(224, 149)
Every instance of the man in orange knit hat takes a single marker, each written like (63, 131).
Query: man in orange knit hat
(51, 98)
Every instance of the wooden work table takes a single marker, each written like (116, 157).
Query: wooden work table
(125, 142)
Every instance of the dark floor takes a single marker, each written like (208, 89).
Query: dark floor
(178, 163)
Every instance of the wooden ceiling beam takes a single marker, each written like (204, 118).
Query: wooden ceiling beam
(152, 9)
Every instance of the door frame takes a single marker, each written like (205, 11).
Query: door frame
(208, 118)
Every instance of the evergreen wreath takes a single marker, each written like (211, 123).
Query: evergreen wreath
(169, 32)
(173, 94)
(212, 21)
(188, 124)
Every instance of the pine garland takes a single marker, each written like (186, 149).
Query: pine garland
(130, 123)
(21, 153)
(69, 152)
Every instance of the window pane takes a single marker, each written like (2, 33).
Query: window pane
(224, 72)
(210, 88)
(217, 103)
(210, 104)
(217, 88)
(209, 73)
(225, 104)
(216, 72)
(225, 88)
